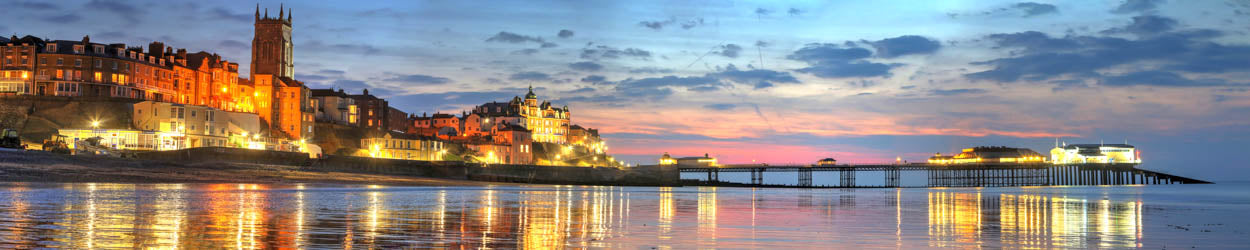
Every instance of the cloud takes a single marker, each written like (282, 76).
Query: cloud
(1132, 6)
(659, 24)
(126, 11)
(580, 90)
(762, 12)
(955, 92)
(525, 52)
(905, 45)
(432, 102)
(311, 77)
(509, 37)
(332, 71)
(1161, 79)
(232, 44)
(565, 34)
(759, 78)
(650, 70)
(67, 18)
(35, 5)
(690, 24)
(1149, 25)
(729, 50)
(352, 85)
(1035, 9)
(420, 79)
(529, 76)
(585, 66)
(594, 79)
(794, 12)
(317, 45)
(1043, 58)
(720, 106)
(827, 60)
(602, 52)
(656, 88)
(110, 35)
(223, 13)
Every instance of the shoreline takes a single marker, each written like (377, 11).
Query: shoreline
(43, 167)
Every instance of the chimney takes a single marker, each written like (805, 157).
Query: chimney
(156, 49)
(182, 56)
(86, 40)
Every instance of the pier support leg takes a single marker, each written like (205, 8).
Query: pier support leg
(805, 177)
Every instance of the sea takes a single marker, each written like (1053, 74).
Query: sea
(253, 216)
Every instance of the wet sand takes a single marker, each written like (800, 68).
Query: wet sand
(34, 166)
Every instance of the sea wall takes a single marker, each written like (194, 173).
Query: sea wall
(221, 154)
(562, 175)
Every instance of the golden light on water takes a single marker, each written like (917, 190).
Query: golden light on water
(258, 216)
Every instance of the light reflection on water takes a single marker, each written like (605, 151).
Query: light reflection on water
(247, 216)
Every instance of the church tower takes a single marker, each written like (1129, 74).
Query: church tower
(271, 45)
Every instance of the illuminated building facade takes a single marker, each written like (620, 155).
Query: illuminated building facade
(34, 66)
(404, 147)
(705, 161)
(17, 64)
(187, 126)
(517, 142)
(334, 107)
(826, 162)
(667, 160)
(1095, 153)
(372, 110)
(547, 123)
(989, 155)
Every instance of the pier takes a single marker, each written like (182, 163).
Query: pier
(943, 175)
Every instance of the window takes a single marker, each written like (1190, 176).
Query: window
(60, 61)
(78, 49)
(99, 63)
(193, 113)
(51, 48)
(77, 62)
(60, 74)
(43, 61)
(114, 65)
(99, 49)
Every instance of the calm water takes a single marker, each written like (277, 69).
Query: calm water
(258, 216)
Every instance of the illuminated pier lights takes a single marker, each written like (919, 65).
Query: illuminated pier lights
(989, 155)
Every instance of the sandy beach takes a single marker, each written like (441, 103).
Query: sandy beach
(35, 166)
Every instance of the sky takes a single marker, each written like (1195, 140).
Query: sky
(764, 81)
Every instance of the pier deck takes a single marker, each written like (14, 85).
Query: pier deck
(963, 175)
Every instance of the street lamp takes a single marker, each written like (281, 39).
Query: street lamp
(95, 124)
